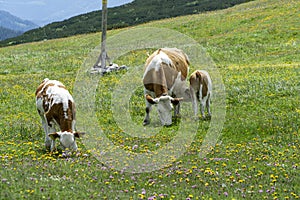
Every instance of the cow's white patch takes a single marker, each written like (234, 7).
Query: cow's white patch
(59, 95)
(67, 140)
(179, 87)
(39, 104)
(164, 58)
(156, 62)
(164, 108)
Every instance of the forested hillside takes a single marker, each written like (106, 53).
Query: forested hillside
(137, 12)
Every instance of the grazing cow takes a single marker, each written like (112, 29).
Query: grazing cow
(164, 81)
(56, 107)
(201, 90)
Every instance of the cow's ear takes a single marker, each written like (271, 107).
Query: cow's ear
(78, 134)
(176, 101)
(54, 135)
(151, 100)
(198, 74)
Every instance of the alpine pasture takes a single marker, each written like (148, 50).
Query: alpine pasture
(256, 49)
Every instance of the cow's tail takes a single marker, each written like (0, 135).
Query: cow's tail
(158, 51)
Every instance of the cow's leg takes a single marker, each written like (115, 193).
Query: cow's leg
(47, 138)
(202, 102)
(50, 129)
(202, 105)
(208, 105)
(47, 142)
(194, 101)
(177, 110)
(73, 125)
(147, 117)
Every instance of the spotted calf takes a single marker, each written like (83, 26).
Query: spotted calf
(201, 90)
(56, 108)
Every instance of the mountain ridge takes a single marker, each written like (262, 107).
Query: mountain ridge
(130, 14)
(6, 33)
(12, 26)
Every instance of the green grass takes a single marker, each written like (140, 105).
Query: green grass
(256, 49)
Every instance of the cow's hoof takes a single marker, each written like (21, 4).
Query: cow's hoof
(145, 123)
(195, 117)
(206, 118)
(48, 148)
(177, 116)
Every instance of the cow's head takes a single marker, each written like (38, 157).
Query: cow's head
(164, 107)
(67, 139)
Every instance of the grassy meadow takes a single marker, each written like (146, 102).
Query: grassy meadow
(256, 49)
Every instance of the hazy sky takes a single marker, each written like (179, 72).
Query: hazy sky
(45, 11)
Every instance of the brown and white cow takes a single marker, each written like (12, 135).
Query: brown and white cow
(164, 82)
(56, 107)
(201, 90)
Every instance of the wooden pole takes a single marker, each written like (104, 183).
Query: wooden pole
(103, 55)
(103, 39)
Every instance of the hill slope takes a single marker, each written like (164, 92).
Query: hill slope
(257, 32)
(256, 49)
(137, 12)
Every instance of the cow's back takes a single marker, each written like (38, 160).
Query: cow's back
(180, 61)
(51, 92)
(162, 69)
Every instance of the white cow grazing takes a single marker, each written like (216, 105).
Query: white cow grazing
(201, 90)
(56, 107)
(164, 82)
